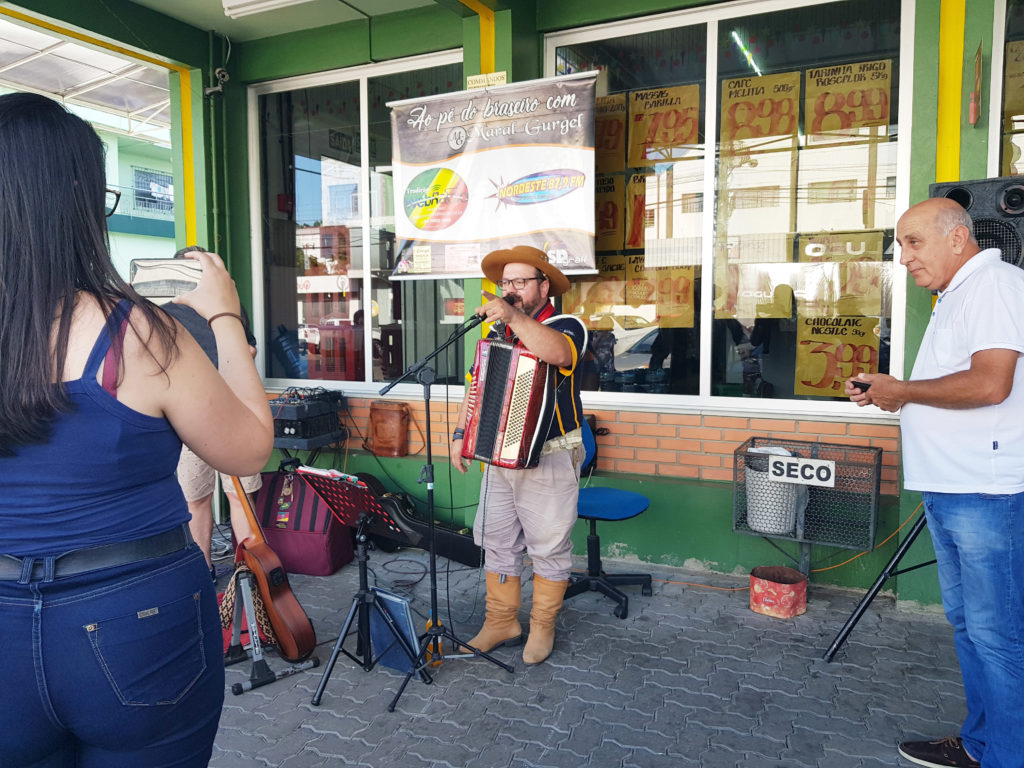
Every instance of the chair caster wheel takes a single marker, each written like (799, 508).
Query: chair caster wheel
(620, 612)
(646, 590)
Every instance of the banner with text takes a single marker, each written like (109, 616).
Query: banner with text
(493, 168)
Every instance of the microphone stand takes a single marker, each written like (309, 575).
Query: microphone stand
(430, 641)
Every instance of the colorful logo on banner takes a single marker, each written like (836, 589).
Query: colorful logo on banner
(492, 168)
(540, 187)
(434, 200)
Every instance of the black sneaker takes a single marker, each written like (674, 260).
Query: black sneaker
(944, 753)
(213, 573)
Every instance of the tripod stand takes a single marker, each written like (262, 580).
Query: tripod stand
(431, 640)
(260, 674)
(364, 601)
(887, 572)
(350, 501)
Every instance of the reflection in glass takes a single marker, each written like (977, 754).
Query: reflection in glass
(1013, 91)
(806, 203)
(642, 308)
(326, 290)
(409, 317)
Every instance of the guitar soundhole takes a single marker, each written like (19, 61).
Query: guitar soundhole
(277, 577)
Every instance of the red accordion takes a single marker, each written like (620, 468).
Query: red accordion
(511, 403)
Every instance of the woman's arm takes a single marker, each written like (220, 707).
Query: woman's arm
(222, 415)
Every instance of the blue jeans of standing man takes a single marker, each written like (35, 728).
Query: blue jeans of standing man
(979, 546)
(115, 668)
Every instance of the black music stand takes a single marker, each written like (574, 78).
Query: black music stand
(351, 502)
(430, 641)
(887, 572)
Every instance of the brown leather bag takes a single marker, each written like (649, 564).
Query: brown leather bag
(389, 429)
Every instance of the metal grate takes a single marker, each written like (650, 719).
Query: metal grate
(840, 516)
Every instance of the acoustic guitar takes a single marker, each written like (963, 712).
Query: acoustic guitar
(295, 637)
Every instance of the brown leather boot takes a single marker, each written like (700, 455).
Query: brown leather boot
(547, 601)
(501, 623)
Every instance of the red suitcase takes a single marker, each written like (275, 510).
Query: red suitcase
(300, 529)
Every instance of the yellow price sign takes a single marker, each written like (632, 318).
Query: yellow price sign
(636, 210)
(830, 350)
(844, 98)
(609, 197)
(663, 124)
(610, 133)
(759, 107)
(674, 296)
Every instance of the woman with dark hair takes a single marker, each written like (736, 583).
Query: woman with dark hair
(108, 617)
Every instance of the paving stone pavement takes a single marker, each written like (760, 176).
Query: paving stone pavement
(692, 677)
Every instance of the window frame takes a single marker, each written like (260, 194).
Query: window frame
(361, 74)
(710, 17)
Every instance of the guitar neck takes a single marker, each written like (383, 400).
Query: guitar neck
(256, 534)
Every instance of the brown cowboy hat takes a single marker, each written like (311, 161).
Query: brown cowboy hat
(494, 263)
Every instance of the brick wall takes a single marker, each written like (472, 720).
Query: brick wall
(697, 446)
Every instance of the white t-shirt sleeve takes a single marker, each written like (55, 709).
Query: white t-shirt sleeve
(997, 322)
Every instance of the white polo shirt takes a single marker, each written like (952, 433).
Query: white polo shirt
(973, 450)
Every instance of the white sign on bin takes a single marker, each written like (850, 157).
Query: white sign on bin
(793, 469)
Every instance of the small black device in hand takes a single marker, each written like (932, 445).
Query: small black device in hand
(861, 385)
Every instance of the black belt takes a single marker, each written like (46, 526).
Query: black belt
(93, 558)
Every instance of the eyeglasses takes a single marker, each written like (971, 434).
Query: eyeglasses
(113, 198)
(516, 282)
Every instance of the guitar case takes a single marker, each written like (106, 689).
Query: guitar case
(454, 545)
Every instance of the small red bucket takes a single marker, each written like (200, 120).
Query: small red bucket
(778, 591)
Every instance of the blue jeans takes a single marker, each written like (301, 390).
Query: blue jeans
(116, 668)
(979, 546)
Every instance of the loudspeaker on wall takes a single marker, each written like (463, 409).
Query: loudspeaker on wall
(997, 208)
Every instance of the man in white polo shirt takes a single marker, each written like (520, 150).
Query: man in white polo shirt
(963, 448)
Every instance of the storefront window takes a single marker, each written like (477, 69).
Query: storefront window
(641, 307)
(804, 226)
(328, 234)
(804, 108)
(1013, 91)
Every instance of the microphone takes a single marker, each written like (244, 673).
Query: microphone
(500, 327)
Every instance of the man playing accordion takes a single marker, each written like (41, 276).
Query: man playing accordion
(532, 509)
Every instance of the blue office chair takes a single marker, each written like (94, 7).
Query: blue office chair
(605, 504)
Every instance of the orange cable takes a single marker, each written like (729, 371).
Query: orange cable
(881, 544)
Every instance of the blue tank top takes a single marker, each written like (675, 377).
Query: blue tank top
(106, 475)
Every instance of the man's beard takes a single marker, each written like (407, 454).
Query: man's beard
(526, 309)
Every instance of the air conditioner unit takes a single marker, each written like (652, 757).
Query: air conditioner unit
(238, 8)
